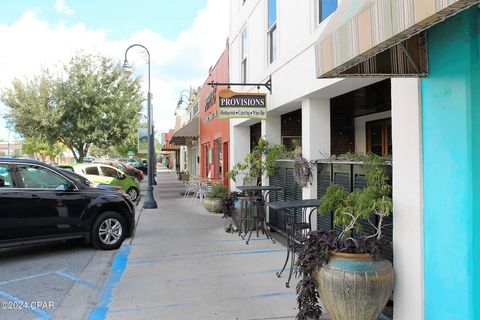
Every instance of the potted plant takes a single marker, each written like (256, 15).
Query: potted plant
(345, 269)
(259, 162)
(213, 200)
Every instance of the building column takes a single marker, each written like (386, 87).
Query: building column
(239, 148)
(316, 142)
(407, 198)
(272, 129)
(272, 132)
(451, 168)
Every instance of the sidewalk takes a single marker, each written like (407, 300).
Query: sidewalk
(183, 265)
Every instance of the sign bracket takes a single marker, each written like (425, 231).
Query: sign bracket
(267, 84)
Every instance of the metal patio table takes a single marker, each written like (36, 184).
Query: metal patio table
(252, 201)
(294, 224)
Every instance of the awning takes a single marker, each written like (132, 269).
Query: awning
(187, 132)
(170, 147)
(380, 37)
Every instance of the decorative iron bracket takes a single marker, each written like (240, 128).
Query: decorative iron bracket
(267, 84)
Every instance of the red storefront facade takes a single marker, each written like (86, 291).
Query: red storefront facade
(214, 133)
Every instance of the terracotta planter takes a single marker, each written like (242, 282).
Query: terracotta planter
(354, 286)
(213, 204)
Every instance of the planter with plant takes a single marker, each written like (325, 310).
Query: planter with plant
(346, 269)
(213, 200)
(261, 161)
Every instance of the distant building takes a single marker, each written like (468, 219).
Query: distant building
(12, 148)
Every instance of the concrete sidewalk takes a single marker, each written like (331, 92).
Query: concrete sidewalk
(183, 265)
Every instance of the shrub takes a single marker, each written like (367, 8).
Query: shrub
(218, 191)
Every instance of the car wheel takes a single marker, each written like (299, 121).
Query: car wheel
(132, 193)
(108, 231)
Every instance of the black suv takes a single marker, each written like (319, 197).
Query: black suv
(39, 203)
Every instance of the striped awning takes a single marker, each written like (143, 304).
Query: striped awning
(361, 29)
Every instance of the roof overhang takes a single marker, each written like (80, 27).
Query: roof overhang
(381, 37)
(187, 132)
(170, 147)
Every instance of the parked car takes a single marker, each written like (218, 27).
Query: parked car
(126, 168)
(103, 173)
(82, 180)
(40, 203)
(137, 164)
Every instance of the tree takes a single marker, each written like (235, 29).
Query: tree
(91, 103)
(35, 146)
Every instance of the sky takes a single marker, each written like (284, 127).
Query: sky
(184, 38)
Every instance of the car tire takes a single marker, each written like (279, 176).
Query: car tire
(133, 194)
(108, 231)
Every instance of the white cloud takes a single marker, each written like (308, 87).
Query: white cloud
(31, 43)
(61, 7)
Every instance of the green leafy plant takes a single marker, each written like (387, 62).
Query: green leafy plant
(261, 160)
(218, 191)
(349, 209)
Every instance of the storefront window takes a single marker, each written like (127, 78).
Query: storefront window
(379, 137)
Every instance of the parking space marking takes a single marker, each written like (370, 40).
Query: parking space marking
(118, 268)
(39, 312)
(74, 279)
(33, 276)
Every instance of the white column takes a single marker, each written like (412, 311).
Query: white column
(239, 148)
(315, 140)
(272, 129)
(407, 198)
(272, 132)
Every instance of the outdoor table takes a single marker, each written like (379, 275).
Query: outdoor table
(292, 226)
(265, 190)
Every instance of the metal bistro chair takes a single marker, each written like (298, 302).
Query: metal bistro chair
(297, 233)
(190, 187)
(202, 190)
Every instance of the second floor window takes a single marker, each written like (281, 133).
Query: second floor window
(244, 57)
(326, 8)
(272, 30)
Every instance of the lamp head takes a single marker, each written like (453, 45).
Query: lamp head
(126, 69)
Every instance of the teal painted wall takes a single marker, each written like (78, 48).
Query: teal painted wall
(451, 165)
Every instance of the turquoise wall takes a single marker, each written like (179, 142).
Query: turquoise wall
(451, 167)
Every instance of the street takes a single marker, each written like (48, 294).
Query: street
(61, 281)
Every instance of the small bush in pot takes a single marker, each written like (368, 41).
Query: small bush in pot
(213, 200)
(328, 265)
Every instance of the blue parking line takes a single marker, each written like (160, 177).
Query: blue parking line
(272, 295)
(39, 312)
(118, 268)
(77, 280)
(205, 255)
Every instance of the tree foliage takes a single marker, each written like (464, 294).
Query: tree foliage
(260, 161)
(89, 103)
(37, 147)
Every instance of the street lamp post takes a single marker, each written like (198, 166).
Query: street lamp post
(154, 181)
(150, 202)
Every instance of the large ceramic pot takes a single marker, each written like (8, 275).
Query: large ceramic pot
(213, 204)
(354, 286)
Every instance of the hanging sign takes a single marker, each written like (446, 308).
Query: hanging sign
(241, 105)
(142, 140)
